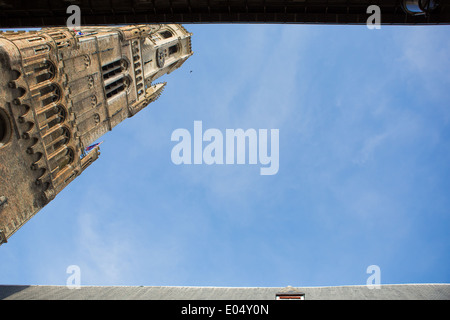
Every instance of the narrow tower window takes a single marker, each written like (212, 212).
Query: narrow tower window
(5, 128)
(115, 87)
(44, 71)
(114, 68)
(173, 49)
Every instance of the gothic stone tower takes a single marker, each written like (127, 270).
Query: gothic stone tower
(62, 89)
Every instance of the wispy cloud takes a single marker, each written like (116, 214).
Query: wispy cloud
(369, 146)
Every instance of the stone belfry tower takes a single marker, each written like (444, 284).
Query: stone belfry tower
(62, 89)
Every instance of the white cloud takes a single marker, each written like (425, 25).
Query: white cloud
(425, 66)
(368, 148)
(105, 251)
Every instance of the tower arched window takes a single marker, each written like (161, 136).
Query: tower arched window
(166, 34)
(173, 49)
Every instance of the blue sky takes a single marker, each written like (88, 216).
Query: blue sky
(364, 149)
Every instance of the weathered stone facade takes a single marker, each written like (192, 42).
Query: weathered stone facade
(62, 89)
